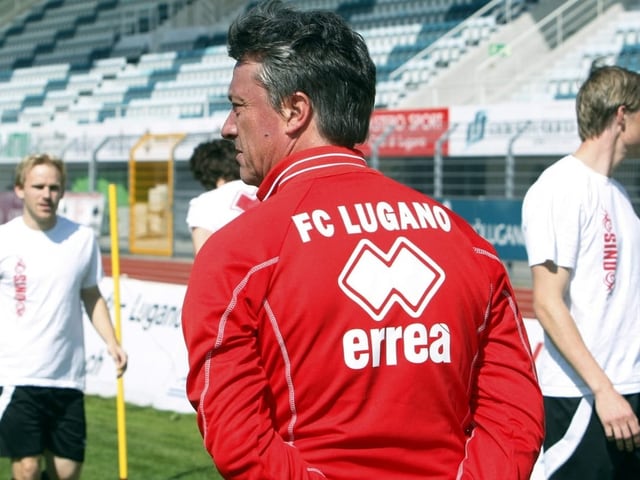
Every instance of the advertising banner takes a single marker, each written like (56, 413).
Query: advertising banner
(407, 133)
(528, 129)
(152, 336)
(497, 221)
(83, 207)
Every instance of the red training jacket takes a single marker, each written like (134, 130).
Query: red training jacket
(348, 328)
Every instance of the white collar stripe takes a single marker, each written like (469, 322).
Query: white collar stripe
(285, 175)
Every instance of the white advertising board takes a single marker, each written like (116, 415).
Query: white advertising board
(532, 129)
(152, 336)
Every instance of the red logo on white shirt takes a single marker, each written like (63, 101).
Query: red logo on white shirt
(610, 252)
(20, 286)
(244, 201)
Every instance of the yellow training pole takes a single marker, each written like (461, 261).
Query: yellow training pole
(115, 273)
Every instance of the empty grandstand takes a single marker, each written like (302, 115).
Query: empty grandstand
(474, 97)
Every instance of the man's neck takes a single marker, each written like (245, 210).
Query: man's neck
(42, 225)
(599, 155)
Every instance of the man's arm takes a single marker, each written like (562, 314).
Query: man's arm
(98, 312)
(199, 235)
(550, 283)
(227, 384)
(506, 402)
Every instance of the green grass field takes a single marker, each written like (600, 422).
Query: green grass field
(160, 445)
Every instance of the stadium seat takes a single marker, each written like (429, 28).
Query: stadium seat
(126, 55)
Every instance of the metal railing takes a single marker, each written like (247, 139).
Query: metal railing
(455, 32)
(528, 53)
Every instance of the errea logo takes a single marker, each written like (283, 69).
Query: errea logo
(376, 280)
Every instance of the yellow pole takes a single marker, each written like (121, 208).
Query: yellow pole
(115, 273)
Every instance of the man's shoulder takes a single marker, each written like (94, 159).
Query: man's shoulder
(558, 169)
(67, 227)
(15, 230)
(560, 176)
(228, 189)
(13, 223)
(68, 223)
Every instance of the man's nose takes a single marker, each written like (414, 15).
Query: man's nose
(229, 130)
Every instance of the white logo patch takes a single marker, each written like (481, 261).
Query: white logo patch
(376, 280)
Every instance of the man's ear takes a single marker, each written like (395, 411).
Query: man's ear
(19, 191)
(620, 119)
(297, 112)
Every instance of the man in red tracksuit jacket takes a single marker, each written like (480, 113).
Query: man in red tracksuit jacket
(348, 327)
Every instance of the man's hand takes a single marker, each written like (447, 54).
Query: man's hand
(120, 358)
(618, 419)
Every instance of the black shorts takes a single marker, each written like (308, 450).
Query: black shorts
(575, 445)
(35, 419)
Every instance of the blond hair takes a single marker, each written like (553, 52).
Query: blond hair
(600, 96)
(33, 160)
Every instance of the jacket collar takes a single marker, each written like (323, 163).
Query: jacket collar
(309, 163)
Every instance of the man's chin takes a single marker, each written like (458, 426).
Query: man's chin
(46, 218)
(249, 179)
(633, 152)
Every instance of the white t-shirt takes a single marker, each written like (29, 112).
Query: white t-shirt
(584, 221)
(41, 312)
(213, 209)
